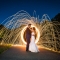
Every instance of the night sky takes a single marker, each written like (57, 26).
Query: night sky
(10, 7)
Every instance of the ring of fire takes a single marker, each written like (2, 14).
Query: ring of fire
(37, 31)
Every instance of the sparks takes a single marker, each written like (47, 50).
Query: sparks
(22, 33)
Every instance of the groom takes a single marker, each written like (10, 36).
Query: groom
(28, 36)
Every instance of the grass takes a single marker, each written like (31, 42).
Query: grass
(4, 47)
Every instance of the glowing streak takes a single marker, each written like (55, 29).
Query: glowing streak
(38, 34)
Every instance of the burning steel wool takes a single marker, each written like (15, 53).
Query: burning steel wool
(15, 26)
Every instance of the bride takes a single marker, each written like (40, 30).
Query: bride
(32, 45)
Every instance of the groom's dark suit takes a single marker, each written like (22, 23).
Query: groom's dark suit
(27, 36)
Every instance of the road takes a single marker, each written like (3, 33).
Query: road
(19, 53)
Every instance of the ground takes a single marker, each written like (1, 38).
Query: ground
(19, 53)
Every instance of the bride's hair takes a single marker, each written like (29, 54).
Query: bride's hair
(34, 28)
(34, 31)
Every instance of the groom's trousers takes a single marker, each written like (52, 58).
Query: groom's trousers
(27, 45)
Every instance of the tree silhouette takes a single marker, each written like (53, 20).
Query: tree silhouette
(56, 18)
(1, 26)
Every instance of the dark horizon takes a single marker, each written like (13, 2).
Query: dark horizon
(10, 7)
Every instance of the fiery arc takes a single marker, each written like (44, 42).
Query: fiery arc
(38, 34)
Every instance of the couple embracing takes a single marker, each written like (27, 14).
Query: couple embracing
(30, 39)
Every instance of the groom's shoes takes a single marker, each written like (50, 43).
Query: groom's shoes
(28, 51)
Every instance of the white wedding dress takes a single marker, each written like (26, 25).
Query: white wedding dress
(32, 45)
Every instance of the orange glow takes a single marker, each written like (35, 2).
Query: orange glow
(38, 34)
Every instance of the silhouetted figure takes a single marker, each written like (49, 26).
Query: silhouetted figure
(28, 36)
